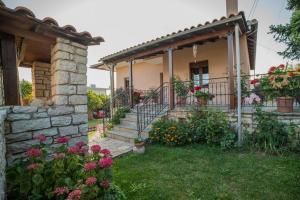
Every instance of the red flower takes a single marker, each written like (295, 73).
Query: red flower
(91, 180)
(281, 66)
(34, 152)
(74, 150)
(96, 148)
(60, 191)
(272, 69)
(33, 166)
(41, 138)
(104, 184)
(105, 152)
(80, 144)
(254, 81)
(74, 195)
(197, 88)
(298, 70)
(63, 140)
(90, 166)
(105, 162)
(192, 91)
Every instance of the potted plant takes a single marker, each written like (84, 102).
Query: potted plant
(202, 96)
(139, 145)
(282, 84)
(181, 90)
(153, 94)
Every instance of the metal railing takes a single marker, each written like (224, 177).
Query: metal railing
(153, 104)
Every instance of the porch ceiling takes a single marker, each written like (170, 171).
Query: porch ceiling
(210, 31)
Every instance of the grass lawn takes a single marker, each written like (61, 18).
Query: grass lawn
(202, 172)
(94, 122)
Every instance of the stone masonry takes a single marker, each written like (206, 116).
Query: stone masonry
(41, 80)
(63, 82)
(2, 155)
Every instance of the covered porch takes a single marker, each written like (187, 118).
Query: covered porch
(203, 55)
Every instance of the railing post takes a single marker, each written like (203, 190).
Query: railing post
(138, 121)
(130, 83)
(171, 77)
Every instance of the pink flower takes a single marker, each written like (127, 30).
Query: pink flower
(272, 69)
(105, 162)
(90, 166)
(105, 152)
(62, 139)
(91, 180)
(33, 166)
(73, 150)
(74, 195)
(252, 99)
(281, 66)
(34, 152)
(83, 150)
(41, 138)
(95, 148)
(59, 155)
(197, 88)
(61, 190)
(80, 144)
(104, 184)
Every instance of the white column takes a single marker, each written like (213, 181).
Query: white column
(130, 83)
(171, 76)
(112, 86)
(238, 72)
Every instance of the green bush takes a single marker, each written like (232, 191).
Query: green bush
(273, 135)
(120, 113)
(212, 127)
(170, 132)
(62, 172)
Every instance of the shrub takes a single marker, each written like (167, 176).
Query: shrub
(120, 113)
(170, 132)
(69, 173)
(211, 127)
(273, 135)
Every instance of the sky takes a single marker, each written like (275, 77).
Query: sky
(124, 23)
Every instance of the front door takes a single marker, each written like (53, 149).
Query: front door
(199, 73)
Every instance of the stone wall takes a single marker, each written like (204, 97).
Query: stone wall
(2, 154)
(41, 80)
(24, 123)
(1, 87)
(68, 73)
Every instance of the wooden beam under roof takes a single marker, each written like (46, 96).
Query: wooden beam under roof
(175, 45)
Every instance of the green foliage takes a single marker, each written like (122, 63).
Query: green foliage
(170, 132)
(212, 127)
(26, 88)
(120, 113)
(152, 94)
(273, 135)
(205, 95)
(37, 177)
(181, 88)
(97, 101)
(289, 33)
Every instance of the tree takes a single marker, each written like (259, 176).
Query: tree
(26, 89)
(96, 101)
(289, 34)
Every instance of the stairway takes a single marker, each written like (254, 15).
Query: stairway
(127, 130)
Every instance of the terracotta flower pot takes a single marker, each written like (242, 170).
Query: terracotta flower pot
(139, 144)
(285, 104)
(181, 100)
(201, 101)
(139, 147)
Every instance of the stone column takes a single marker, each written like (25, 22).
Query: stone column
(68, 70)
(41, 80)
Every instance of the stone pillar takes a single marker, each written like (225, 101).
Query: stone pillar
(41, 80)
(68, 73)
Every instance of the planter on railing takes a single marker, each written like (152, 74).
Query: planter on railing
(285, 104)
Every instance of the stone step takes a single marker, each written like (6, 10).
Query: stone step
(125, 136)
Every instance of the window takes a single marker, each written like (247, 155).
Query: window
(199, 73)
(126, 83)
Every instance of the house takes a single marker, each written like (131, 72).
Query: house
(98, 90)
(202, 54)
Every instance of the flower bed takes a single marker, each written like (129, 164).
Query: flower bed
(63, 173)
